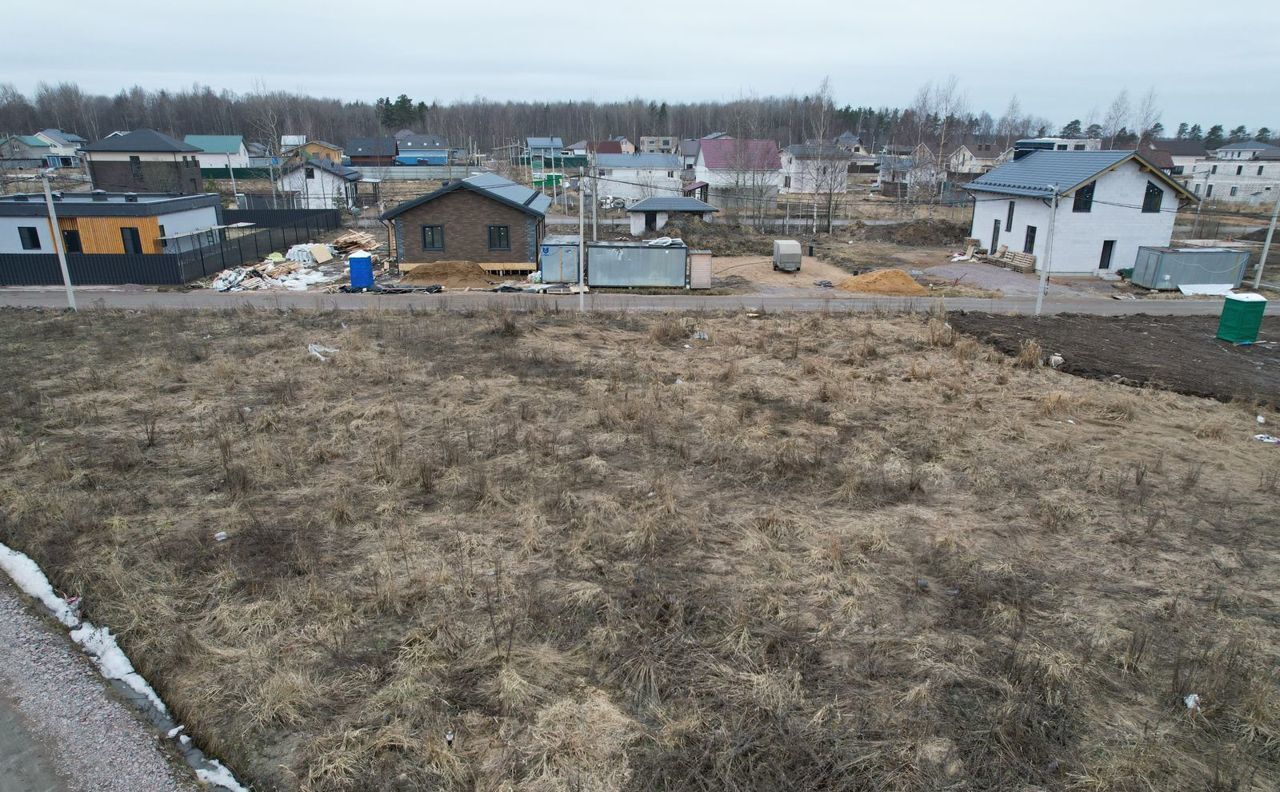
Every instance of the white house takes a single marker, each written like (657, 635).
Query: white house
(320, 184)
(815, 168)
(633, 177)
(220, 151)
(738, 171)
(1246, 172)
(64, 146)
(1110, 203)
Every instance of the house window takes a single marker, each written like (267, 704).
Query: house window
(672, 174)
(1196, 187)
(1234, 190)
(1008, 221)
(311, 172)
(499, 237)
(1154, 197)
(1259, 170)
(1062, 147)
(433, 237)
(1208, 191)
(1084, 198)
(1078, 147)
(1030, 244)
(786, 181)
(131, 239)
(30, 237)
(1239, 170)
(71, 241)
(135, 167)
(1213, 169)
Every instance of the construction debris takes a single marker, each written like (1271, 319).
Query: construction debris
(275, 272)
(353, 240)
(321, 352)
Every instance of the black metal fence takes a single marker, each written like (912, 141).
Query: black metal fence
(276, 230)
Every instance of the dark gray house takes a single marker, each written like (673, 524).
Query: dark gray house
(144, 161)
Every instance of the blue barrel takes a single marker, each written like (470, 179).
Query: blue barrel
(361, 270)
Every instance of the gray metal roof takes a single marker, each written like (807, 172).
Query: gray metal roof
(646, 161)
(371, 147)
(324, 164)
(415, 142)
(1246, 145)
(544, 142)
(671, 203)
(105, 204)
(516, 193)
(1037, 172)
(817, 151)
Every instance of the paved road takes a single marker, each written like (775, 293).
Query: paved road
(796, 223)
(137, 297)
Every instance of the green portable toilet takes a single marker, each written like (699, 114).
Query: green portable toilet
(1241, 318)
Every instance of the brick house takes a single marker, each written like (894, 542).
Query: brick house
(144, 161)
(483, 218)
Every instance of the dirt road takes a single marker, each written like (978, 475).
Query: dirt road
(134, 298)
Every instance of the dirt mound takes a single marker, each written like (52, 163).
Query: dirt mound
(722, 239)
(893, 282)
(923, 233)
(450, 274)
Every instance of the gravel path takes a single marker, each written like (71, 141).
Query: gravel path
(59, 715)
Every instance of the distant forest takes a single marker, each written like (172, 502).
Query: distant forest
(938, 114)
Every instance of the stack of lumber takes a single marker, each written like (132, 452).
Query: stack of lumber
(353, 240)
(1018, 262)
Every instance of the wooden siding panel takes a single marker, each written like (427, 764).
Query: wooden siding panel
(102, 234)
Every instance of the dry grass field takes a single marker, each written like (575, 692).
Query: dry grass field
(803, 553)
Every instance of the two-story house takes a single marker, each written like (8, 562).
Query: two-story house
(1109, 203)
(633, 177)
(144, 160)
(736, 172)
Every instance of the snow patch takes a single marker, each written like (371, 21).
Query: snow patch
(220, 776)
(101, 646)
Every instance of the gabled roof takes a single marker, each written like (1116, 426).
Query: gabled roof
(1156, 156)
(490, 185)
(31, 141)
(848, 139)
(62, 138)
(605, 146)
(581, 145)
(744, 154)
(341, 171)
(671, 203)
(1037, 173)
(639, 160)
(415, 142)
(216, 144)
(1181, 147)
(321, 143)
(1246, 145)
(141, 140)
(371, 147)
(544, 142)
(689, 148)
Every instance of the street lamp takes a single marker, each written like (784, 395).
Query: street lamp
(56, 235)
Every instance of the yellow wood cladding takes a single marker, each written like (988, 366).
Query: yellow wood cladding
(102, 234)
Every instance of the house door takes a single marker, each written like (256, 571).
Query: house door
(651, 221)
(1030, 244)
(995, 236)
(1108, 247)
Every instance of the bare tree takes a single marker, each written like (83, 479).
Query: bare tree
(1012, 124)
(1117, 116)
(1147, 115)
(949, 105)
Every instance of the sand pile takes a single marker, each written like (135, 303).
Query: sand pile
(449, 274)
(893, 282)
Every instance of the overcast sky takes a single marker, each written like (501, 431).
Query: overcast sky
(1064, 60)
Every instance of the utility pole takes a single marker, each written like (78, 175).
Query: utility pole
(1266, 245)
(595, 195)
(56, 235)
(582, 250)
(1044, 271)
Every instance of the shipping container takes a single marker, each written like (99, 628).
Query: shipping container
(637, 264)
(1167, 268)
(558, 258)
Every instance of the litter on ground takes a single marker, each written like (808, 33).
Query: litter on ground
(321, 352)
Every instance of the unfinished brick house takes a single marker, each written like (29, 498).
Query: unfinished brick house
(484, 218)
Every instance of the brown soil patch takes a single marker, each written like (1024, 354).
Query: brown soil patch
(893, 282)
(922, 233)
(450, 274)
(1177, 353)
